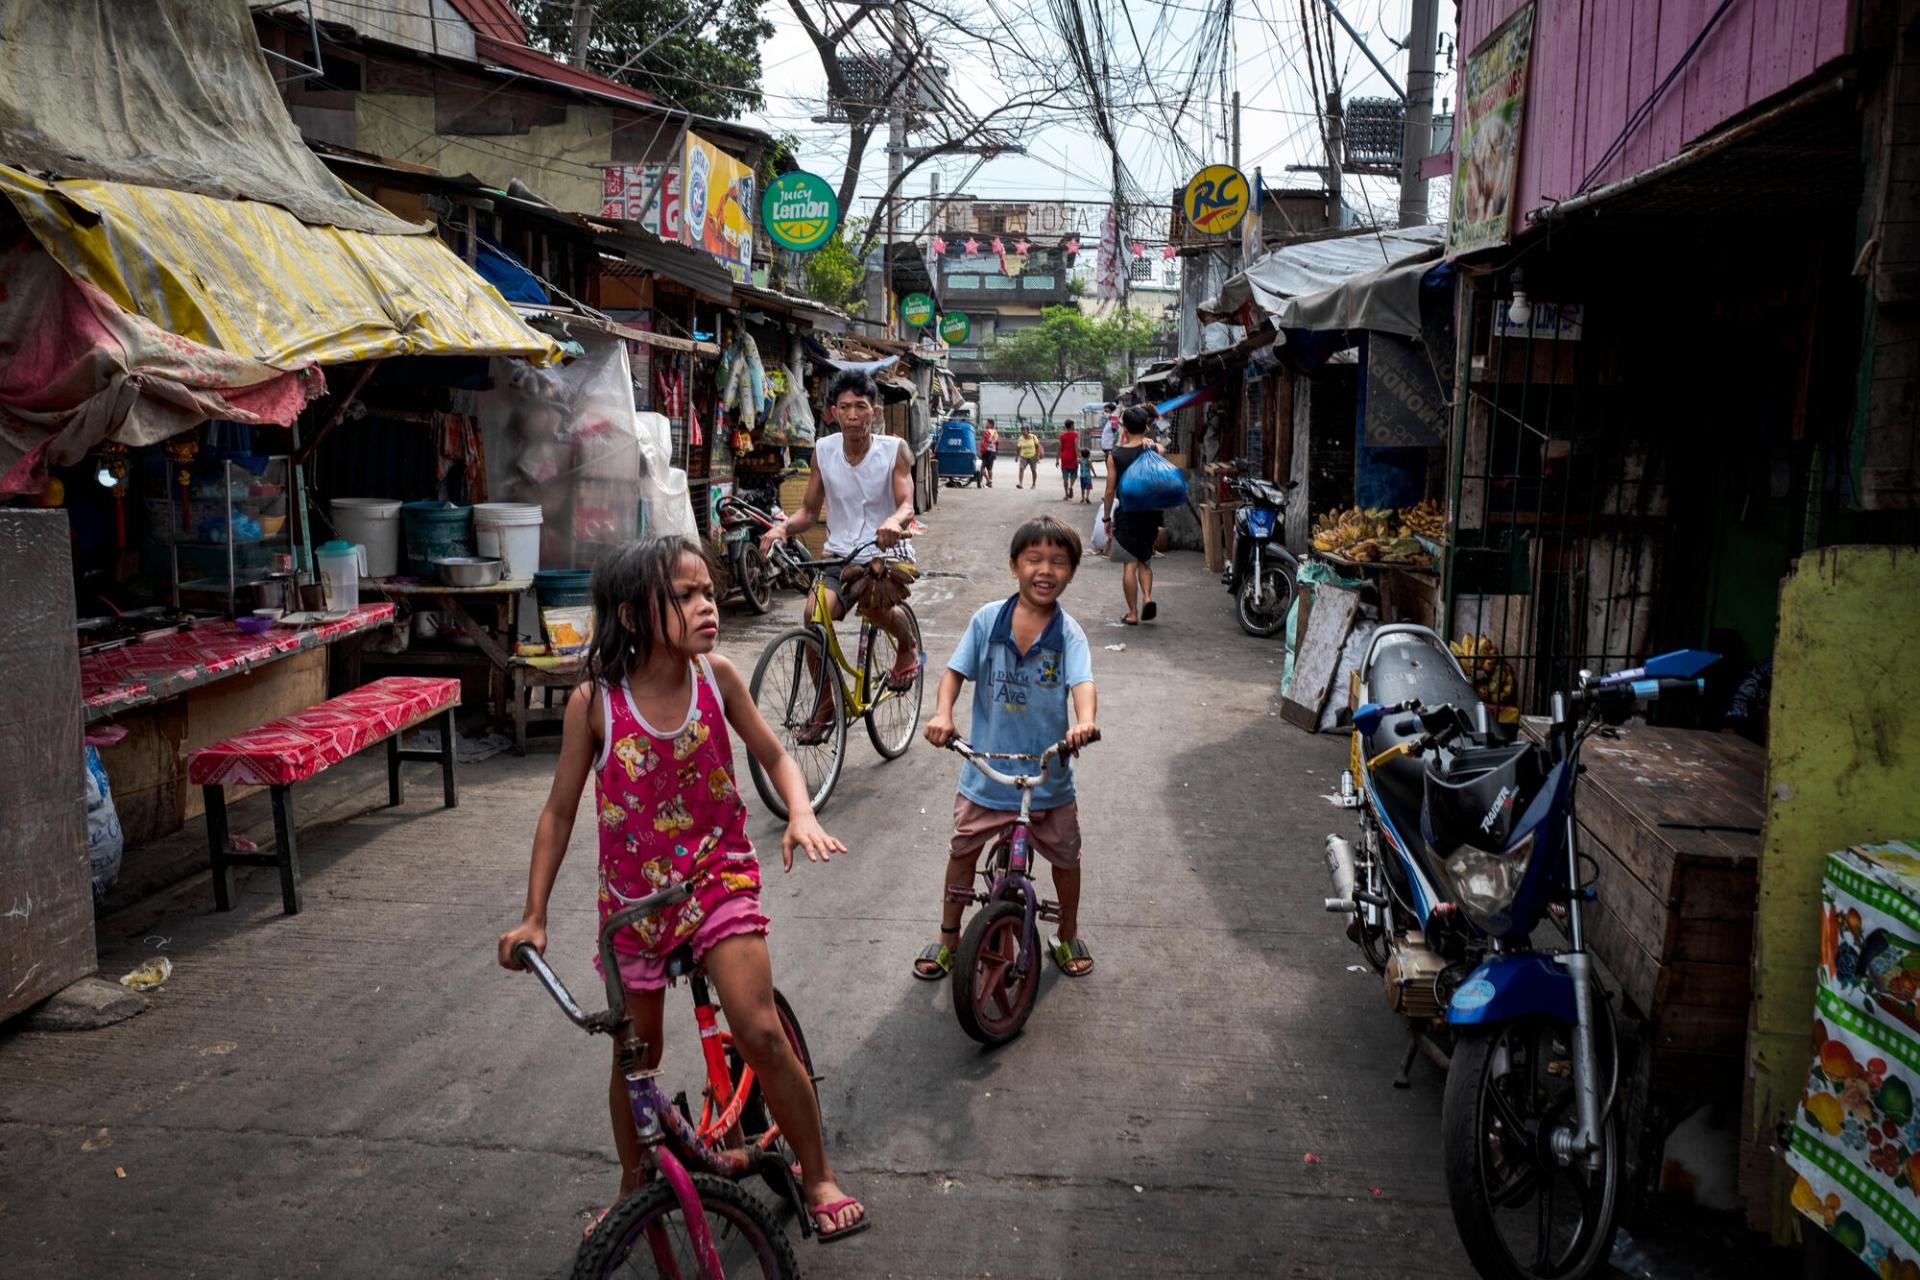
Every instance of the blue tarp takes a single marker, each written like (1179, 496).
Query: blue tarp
(504, 272)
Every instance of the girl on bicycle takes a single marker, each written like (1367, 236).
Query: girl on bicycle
(669, 811)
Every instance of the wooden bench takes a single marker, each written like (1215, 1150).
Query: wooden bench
(294, 748)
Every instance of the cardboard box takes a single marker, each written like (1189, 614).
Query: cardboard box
(1216, 535)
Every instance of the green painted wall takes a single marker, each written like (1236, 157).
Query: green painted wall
(555, 160)
(1843, 766)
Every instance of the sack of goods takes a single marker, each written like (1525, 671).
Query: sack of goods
(878, 585)
(1152, 484)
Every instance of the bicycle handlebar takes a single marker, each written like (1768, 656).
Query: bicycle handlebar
(1059, 750)
(609, 962)
(847, 559)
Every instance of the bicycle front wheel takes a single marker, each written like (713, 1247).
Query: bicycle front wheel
(648, 1234)
(799, 695)
(895, 713)
(991, 997)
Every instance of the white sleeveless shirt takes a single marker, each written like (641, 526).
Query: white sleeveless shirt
(859, 499)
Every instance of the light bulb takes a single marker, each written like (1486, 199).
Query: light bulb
(1520, 311)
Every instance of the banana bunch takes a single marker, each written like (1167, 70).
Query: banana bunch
(1428, 520)
(1350, 530)
(1480, 659)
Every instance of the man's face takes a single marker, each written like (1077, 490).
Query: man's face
(853, 412)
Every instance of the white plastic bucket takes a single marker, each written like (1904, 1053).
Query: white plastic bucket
(510, 530)
(374, 523)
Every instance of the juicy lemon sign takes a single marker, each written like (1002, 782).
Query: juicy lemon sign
(799, 211)
(955, 328)
(916, 311)
(1216, 199)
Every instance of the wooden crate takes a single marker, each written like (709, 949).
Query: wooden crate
(1216, 535)
(793, 490)
(1672, 819)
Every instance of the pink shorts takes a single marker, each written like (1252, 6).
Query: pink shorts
(738, 913)
(1055, 833)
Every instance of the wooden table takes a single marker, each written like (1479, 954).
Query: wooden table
(494, 640)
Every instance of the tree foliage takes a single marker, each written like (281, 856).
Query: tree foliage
(831, 273)
(708, 62)
(1067, 347)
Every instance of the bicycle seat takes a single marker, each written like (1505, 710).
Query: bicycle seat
(680, 961)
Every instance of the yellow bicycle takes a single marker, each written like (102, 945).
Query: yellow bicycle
(809, 693)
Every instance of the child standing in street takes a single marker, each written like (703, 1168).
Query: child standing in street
(1086, 476)
(1033, 687)
(669, 811)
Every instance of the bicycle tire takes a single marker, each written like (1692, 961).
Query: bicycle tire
(994, 939)
(745, 1230)
(786, 715)
(755, 1118)
(756, 580)
(894, 744)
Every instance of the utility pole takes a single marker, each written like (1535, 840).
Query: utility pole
(583, 13)
(1236, 257)
(1336, 147)
(1416, 138)
(896, 158)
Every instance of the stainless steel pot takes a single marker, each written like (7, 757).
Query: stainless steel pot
(469, 571)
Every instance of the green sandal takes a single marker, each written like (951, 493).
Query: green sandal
(1069, 953)
(940, 957)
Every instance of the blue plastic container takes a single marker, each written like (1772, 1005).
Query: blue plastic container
(434, 531)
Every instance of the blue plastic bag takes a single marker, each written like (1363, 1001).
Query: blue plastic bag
(1152, 484)
(104, 840)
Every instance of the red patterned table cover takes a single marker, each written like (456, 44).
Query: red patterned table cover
(135, 675)
(294, 748)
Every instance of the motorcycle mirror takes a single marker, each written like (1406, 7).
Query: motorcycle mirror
(1681, 664)
(1367, 717)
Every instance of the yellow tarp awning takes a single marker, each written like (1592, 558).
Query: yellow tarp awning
(251, 278)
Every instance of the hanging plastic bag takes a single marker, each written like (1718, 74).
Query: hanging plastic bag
(1153, 484)
(105, 843)
(1099, 534)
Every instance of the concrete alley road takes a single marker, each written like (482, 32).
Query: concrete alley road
(360, 1090)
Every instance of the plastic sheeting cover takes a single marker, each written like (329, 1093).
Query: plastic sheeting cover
(168, 93)
(1272, 282)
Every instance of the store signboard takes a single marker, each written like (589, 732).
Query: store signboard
(1406, 408)
(634, 193)
(1564, 321)
(718, 205)
(916, 311)
(1216, 199)
(1487, 152)
(955, 328)
(800, 211)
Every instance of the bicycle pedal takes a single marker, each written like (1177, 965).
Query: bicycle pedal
(680, 1104)
(1048, 910)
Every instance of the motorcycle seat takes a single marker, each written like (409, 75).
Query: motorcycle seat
(1408, 666)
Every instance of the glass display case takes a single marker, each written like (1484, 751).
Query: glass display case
(223, 526)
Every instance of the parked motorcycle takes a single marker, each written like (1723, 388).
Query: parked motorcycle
(755, 575)
(1466, 852)
(1261, 572)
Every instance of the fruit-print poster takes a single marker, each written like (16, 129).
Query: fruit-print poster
(1486, 162)
(1854, 1144)
(717, 203)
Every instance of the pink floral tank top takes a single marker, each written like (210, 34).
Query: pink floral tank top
(669, 811)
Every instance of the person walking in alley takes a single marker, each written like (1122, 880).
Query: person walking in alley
(989, 450)
(670, 813)
(1069, 461)
(1086, 476)
(1028, 446)
(1132, 532)
(1033, 687)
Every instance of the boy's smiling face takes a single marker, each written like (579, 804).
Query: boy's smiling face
(1042, 571)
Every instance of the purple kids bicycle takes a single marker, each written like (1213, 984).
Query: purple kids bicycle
(996, 971)
(690, 1217)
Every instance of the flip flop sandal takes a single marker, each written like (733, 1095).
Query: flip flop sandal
(815, 733)
(829, 1234)
(1069, 953)
(902, 681)
(1149, 611)
(941, 957)
(1129, 622)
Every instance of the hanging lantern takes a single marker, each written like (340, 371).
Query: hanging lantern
(1168, 252)
(1021, 246)
(1071, 246)
(1139, 250)
(939, 246)
(997, 246)
(972, 245)
(181, 451)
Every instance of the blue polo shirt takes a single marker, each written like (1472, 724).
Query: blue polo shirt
(1020, 700)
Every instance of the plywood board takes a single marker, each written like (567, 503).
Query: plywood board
(1318, 654)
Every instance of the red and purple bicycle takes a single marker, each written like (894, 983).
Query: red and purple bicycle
(996, 971)
(690, 1217)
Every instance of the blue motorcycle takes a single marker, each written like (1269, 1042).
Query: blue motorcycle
(1465, 892)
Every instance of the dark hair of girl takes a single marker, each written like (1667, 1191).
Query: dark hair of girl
(639, 575)
(1136, 419)
(859, 383)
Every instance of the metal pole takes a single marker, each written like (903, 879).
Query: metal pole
(896, 158)
(1417, 130)
(1336, 147)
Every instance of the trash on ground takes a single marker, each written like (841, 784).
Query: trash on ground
(1116, 648)
(244, 844)
(149, 975)
(119, 1171)
(1311, 1158)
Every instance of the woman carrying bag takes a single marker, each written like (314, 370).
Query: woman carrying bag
(1133, 528)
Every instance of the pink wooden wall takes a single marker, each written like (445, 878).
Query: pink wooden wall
(1595, 62)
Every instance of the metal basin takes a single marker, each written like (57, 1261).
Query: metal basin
(469, 571)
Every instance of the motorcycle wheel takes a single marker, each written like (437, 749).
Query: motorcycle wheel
(754, 578)
(1262, 603)
(1521, 1214)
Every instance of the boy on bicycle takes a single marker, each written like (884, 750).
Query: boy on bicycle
(1033, 687)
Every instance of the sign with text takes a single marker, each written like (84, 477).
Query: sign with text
(916, 311)
(1493, 100)
(717, 205)
(628, 192)
(955, 328)
(1216, 199)
(1564, 321)
(1406, 408)
(800, 211)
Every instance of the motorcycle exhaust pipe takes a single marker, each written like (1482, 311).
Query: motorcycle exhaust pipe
(1340, 867)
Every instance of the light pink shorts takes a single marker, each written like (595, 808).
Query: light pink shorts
(1055, 833)
(738, 913)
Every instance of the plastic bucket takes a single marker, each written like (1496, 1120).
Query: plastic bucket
(435, 530)
(566, 608)
(563, 588)
(510, 530)
(374, 523)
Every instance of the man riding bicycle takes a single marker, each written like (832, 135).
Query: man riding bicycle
(864, 482)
